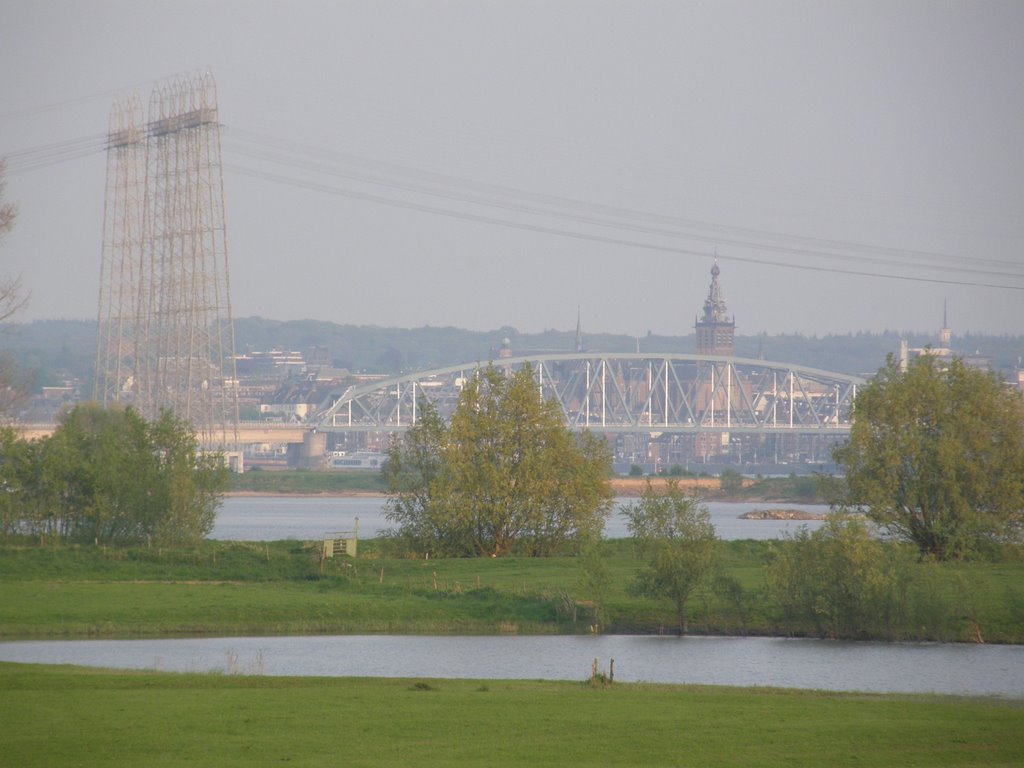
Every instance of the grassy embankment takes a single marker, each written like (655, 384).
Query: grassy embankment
(86, 717)
(307, 482)
(233, 588)
(283, 587)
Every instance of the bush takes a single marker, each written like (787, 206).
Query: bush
(840, 581)
(109, 476)
(730, 481)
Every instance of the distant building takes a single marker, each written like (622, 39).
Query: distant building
(716, 334)
(945, 334)
(276, 363)
(716, 331)
(943, 351)
(46, 406)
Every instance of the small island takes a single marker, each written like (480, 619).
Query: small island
(781, 514)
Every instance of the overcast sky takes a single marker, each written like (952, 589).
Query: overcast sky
(489, 163)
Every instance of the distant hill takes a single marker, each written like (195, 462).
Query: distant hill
(391, 350)
(52, 350)
(61, 349)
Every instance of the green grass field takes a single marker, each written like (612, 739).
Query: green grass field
(306, 481)
(86, 717)
(283, 588)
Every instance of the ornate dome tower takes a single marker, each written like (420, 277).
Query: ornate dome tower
(715, 330)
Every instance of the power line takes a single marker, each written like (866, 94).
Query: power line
(517, 207)
(319, 159)
(329, 163)
(479, 218)
(45, 155)
(39, 108)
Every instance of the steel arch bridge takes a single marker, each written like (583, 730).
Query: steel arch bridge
(623, 392)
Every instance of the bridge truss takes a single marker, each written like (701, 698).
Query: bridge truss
(621, 393)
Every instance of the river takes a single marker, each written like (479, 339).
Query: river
(271, 518)
(977, 670)
(984, 670)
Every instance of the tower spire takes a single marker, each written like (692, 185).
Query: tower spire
(945, 335)
(715, 329)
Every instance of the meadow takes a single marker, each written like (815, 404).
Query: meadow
(88, 717)
(286, 587)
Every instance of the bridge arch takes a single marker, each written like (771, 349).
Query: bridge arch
(625, 392)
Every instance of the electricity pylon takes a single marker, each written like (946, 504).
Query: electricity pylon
(166, 336)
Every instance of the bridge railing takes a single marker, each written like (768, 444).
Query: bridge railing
(625, 392)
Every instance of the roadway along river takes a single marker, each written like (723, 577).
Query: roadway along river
(271, 518)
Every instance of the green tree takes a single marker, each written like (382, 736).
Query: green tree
(595, 581)
(413, 473)
(730, 481)
(14, 385)
(109, 475)
(675, 532)
(936, 456)
(839, 581)
(14, 457)
(188, 485)
(504, 473)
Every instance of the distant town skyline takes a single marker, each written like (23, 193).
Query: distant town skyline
(853, 166)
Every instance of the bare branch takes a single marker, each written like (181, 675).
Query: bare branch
(8, 211)
(14, 388)
(12, 298)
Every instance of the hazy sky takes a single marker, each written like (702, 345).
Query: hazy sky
(483, 163)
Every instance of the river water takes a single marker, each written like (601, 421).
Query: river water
(271, 518)
(986, 670)
(981, 670)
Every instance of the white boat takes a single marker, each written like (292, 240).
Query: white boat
(369, 460)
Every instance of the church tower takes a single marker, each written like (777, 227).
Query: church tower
(945, 335)
(715, 330)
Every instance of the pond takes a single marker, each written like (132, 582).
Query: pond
(982, 670)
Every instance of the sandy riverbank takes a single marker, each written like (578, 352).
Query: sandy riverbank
(634, 486)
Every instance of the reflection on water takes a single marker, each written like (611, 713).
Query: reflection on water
(271, 518)
(820, 664)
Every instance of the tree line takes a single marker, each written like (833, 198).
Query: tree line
(53, 350)
(109, 476)
(934, 466)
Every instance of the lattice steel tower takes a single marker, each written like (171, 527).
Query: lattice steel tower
(122, 248)
(166, 336)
